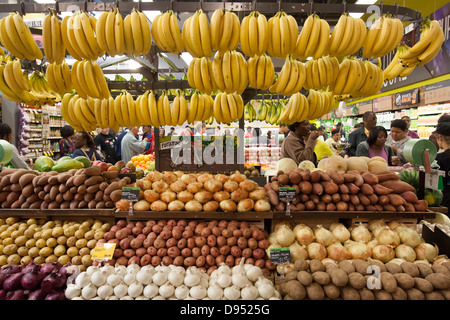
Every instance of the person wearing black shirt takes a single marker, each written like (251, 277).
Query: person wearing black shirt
(106, 143)
(443, 159)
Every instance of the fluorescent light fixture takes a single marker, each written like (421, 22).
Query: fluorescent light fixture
(365, 1)
(356, 14)
(152, 14)
(187, 58)
(131, 64)
(44, 1)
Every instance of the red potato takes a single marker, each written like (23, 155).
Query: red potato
(140, 252)
(156, 261)
(178, 261)
(145, 260)
(171, 242)
(125, 243)
(190, 243)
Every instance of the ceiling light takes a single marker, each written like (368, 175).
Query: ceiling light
(356, 14)
(44, 1)
(365, 1)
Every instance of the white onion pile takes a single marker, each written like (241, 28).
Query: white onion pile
(243, 282)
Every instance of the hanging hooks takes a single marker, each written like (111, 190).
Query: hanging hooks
(85, 6)
(117, 4)
(311, 7)
(57, 7)
(139, 5)
(201, 5)
(279, 5)
(22, 8)
(345, 6)
(396, 9)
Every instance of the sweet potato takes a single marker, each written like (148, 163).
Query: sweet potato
(345, 197)
(359, 181)
(343, 189)
(349, 178)
(352, 188)
(314, 177)
(383, 200)
(398, 185)
(305, 187)
(92, 171)
(317, 188)
(337, 177)
(385, 176)
(336, 197)
(409, 196)
(330, 187)
(423, 285)
(342, 206)
(314, 198)
(370, 178)
(389, 207)
(354, 199)
(363, 199)
(400, 208)
(421, 205)
(373, 199)
(331, 207)
(409, 207)
(382, 190)
(396, 200)
(367, 189)
(324, 176)
(305, 174)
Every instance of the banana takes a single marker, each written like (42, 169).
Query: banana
(216, 26)
(280, 85)
(106, 121)
(269, 73)
(193, 108)
(98, 112)
(314, 37)
(217, 108)
(227, 72)
(64, 108)
(200, 108)
(176, 34)
(337, 35)
(263, 33)
(15, 38)
(355, 38)
(66, 41)
(26, 37)
(392, 64)
(249, 27)
(204, 34)
(146, 34)
(341, 79)
(293, 78)
(235, 73)
(118, 110)
(347, 37)
(175, 110)
(136, 30)
(5, 89)
(100, 80)
(260, 73)
(125, 109)
(226, 113)
(153, 109)
(66, 77)
(89, 34)
(51, 78)
(232, 104)
(157, 34)
(434, 47)
(47, 37)
(285, 37)
(166, 108)
(134, 121)
(316, 75)
(128, 32)
(324, 37)
(142, 109)
(100, 31)
(195, 34)
(18, 75)
(57, 42)
(252, 71)
(302, 39)
(275, 38)
(243, 73)
(234, 41)
(351, 78)
(91, 83)
(184, 111)
(226, 32)
(198, 79)
(86, 111)
(81, 38)
(119, 34)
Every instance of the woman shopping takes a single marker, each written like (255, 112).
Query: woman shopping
(85, 146)
(300, 143)
(375, 146)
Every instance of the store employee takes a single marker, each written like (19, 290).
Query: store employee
(300, 143)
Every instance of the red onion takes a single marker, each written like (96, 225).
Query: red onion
(49, 267)
(18, 294)
(32, 279)
(3, 277)
(3, 293)
(12, 282)
(11, 268)
(56, 296)
(52, 282)
(29, 267)
(38, 294)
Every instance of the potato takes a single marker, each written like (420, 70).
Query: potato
(410, 268)
(347, 266)
(315, 291)
(440, 269)
(357, 280)
(423, 285)
(424, 269)
(366, 294)
(382, 295)
(316, 265)
(361, 266)
(321, 277)
(404, 280)
(304, 277)
(393, 268)
(349, 293)
(331, 291)
(439, 281)
(415, 294)
(434, 295)
(388, 281)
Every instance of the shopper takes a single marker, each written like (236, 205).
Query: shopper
(85, 146)
(433, 137)
(148, 133)
(218, 131)
(66, 144)
(398, 138)
(361, 134)
(106, 143)
(334, 139)
(375, 145)
(119, 143)
(357, 126)
(411, 134)
(258, 138)
(322, 133)
(321, 149)
(199, 129)
(16, 160)
(341, 129)
(300, 143)
(172, 132)
(162, 132)
(249, 134)
(132, 146)
(283, 130)
(443, 159)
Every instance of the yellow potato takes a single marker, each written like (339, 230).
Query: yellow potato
(51, 258)
(14, 259)
(39, 260)
(79, 234)
(45, 252)
(51, 242)
(72, 252)
(3, 260)
(20, 241)
(33, 252)
(64, 259)
(22, 251)
(7, 241)
(46, 234)
(30, 243)
(81, 243)
(57, 231)
(71, 241)
(41, 243)
(31, 221)
(26, 260)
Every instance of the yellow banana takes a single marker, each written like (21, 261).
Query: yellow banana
(269, 73)
(184, 111)
(146, 34)
(100, 80)
(243, 73)
(128, 32)
(204, 34)
(234, 62)
(153, 109)
(302, 39)
(100, 31)
(138, 40)
(26, 37)
(47, 37)
(216, 29)
(119, 34)
(176, 34)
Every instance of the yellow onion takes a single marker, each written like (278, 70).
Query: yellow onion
(284, 236)
(323, 236)
(280, 224)
(303, 234)
(341, 233)
(405, 252)
(285, 268)
(426, 251)
(316, 251)
(361, 234)
(441, 259)
(358, 250)
(338, 252)
(373, 224)
(272, 238)
(388, 237)
(298, 252)
(372, 243)
(383, 253)
(213, 185)
(408, 236)
(395, 224)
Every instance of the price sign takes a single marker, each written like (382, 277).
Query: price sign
(130, 193)
(287, 194)
(280, 255)
(103, 251)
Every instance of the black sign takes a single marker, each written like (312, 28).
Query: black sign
(280, 255)
(130, 194)
(407, 97)
(287, 194)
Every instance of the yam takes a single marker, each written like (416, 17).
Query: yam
(15, 176)
(69, 182)
(330, 187)
(26, 179)
(349, 178)
(370, 178)
(306, 187)
(439, 281)
(331, 291)
(92, 171)
(314, 177)
(353, 189)
(112, 187)
(93, 189)
(15, 187)
(409, 196)
(116, 195)
(399, 294)
(382, 190)
(396, 200)
(343, 189)
(357, 280)
(388, 281)
(28, 190)
(88, 197)
(79, 180)
(373, 198)
(295, 289)
(82, 189)
(404, 280)
(103, 186)
(367, 189)
(315, 291)
(363, 199)
(317, 188)
(385, 176)
(415, 294)
(337, 177)
(94, 181)
(421, 205)
(445, 293)
(349, 293)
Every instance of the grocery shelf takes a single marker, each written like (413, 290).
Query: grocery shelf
(281, 215)
(251, 215)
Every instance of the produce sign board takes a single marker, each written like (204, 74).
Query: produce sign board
(287, 194)
(103, 251)
(130, 194)
(280, 255)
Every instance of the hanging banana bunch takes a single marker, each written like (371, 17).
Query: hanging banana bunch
(166, 33)
(196, 35)
(320, 103)
(225, 30)
(261, 72)
(52, 41)
(138, 39)
(68, 113)
(283, 33)
(200, 108)
(163, 109)
(81, 28)
(16, 37)
(88, 80)
(396, 67)
(291, 78)
(104, 112)
(180, 109)
(143, 103)
(228, 107)
(427, 47)
(14, 85)
(254, 36)
(351, 77)
(230, 71)
(200, 75)
(296, 110)
(372, 82)
(313, 39)
(383, 37)
(321, 73)
(348, 36)
(110, 32)
(59, 77)
(125, 110)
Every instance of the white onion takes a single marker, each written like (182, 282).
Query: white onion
(284, 236)
(98, 278)
(113, 298)
(266, 290)
(303, 234)
(114, 279)
(121, 290)
(144, 277)
(109, 269)
(372, 243)
(239, 279)
(232, 293)
(89, 291)
(142, 298)
(72, 291)
(197, 292)
(83, 279)
(426, 251)
(375, 223)
(224, 280)
(105, 291)
(158, 298)
(160, 277)
(316, 251)
(204, 280)
(405, 252)
(249, 292)
(181, 292)
(120, 270)
(176, 277)
(126, 298)
(215, 292)
(388, 237)
(91, 269)
(129, 278)
(298, 252)
(323, 236)
(166, 290)
(253, 272)
(223, 269)
(135, 289)
(361, 234)
(151, 290)
(133, 268)
(192, 279)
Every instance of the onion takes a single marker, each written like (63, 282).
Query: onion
(338, 252)
(383, 253)
(18, 294)
(426, 251)
(284, 236)
(151, 290)
(316, 251)
(395, 224)
(166, 290)
(56, 296)
(298, 252)
(358, 250)
(254, 272)
(224, 280)
(215, 292)
(135, 289)
(98, 278)
(3, 293)
(266, 290)
(239, 279)
(373, 224)
(405, 252)
(83, 279)
(285, 268)
(38, 294)
(408, 236)
(49, 267)
(232, 293)
(361, 234)
(197, 292)
(249, 292)
(181, 292)
(32, 279)
(72, 291)
(303, 234)
(53, 281)
(388, 237)
(341, 233)
(372, 243)
(323, 236)
(30, 267)
(12, 282)
(10, 269)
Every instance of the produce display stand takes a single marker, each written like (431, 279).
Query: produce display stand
(105, 215)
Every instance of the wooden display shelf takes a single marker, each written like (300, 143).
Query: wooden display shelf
(106, 215)
(216, 215)
(277, 215)
(440, 209)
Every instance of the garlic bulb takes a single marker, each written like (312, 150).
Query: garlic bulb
(204, 280)
(176, 277)
(224, 269)
(129, 278)
(232, 293)
(160, 277)
(109, 269)
(192, 278)
(181, 292)
(215, 292)
(133, 268)
(120, 270)
(98, 278)
(121, 290)
(89, 291)
(224, 280)
(239, 279)
(91, 269)
(197, 292)
(114, 279)
(266, 290)
(166, 290)
(253, 273)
